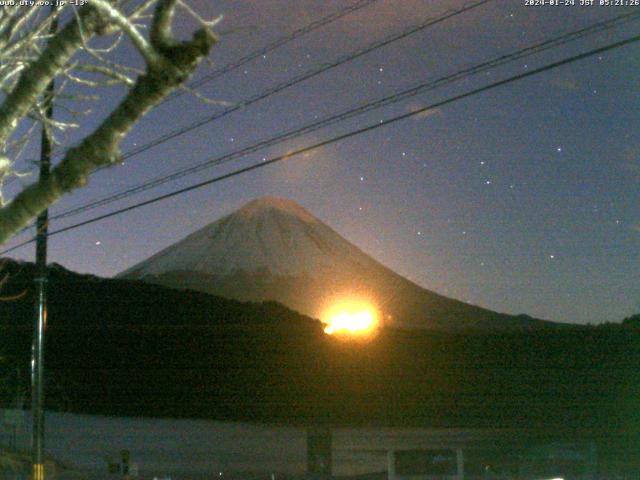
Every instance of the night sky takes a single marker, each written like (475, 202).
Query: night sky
(521, 199)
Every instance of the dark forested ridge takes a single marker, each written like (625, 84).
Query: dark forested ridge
(128, 348)
(274, 249)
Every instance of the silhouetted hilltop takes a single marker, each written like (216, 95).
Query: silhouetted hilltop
(274, 249)
(124, 347)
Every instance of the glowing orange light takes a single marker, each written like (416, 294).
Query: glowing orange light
(351, 317)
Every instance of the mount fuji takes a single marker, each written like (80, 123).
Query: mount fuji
(274, 249)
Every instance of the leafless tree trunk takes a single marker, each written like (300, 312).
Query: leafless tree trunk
(30, 59)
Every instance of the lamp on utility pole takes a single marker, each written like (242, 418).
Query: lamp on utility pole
(37, 353)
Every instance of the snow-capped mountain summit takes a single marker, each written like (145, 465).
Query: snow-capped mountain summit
(269, 234)
(274, 249)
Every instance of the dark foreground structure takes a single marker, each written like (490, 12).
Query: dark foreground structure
(89, 446)
(181, 378)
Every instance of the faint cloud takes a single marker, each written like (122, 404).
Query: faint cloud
(415, 107)
(297, 169)
(631, 160)
(632, 154)
(632, 168)
(636, 227)
(565, 82)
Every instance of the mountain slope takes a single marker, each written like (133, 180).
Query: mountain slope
(122, 347)
(270, 234)
(273, 249)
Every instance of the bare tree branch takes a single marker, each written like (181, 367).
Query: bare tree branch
(167, 68)
(39, 74)
(118, 18)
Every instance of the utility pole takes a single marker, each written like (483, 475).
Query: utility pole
(42, 230)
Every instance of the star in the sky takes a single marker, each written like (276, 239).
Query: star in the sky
(472, 127)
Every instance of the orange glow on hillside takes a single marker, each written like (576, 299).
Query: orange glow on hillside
(350, 317)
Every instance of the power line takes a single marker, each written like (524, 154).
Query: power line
(310, 27)
(276, 44)
(303, 77)
(451, 13)
(369, 106)
(344, 136)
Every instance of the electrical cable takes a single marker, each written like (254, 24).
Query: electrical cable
(451, 13)
(344, 136)
(275, 45)
(351, 112)
(314, 25)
